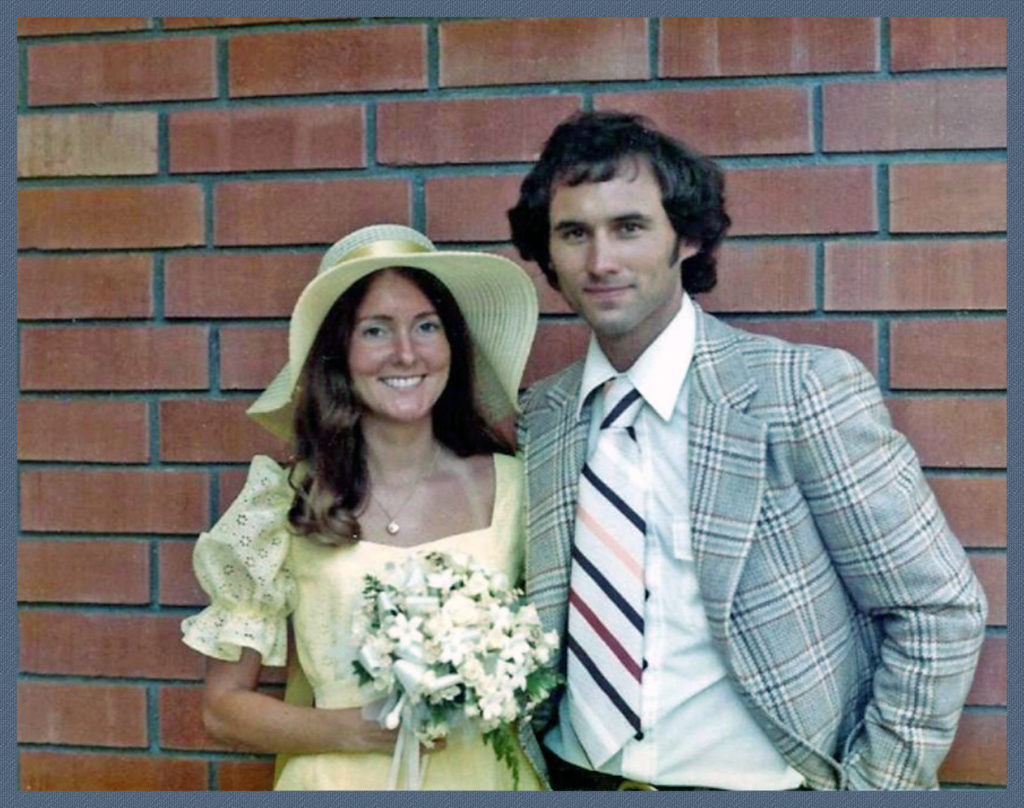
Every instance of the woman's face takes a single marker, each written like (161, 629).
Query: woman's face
(399, 356)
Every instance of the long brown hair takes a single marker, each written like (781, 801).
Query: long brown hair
(330, 449)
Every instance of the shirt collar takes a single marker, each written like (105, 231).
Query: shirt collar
(658, 372)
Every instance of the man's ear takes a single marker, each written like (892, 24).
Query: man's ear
(686, 248)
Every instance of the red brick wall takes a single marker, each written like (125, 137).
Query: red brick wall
(179, 178)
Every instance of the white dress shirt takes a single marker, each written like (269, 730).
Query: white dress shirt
(696, 730)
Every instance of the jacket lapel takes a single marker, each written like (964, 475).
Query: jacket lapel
(556, 456)
(727, 467)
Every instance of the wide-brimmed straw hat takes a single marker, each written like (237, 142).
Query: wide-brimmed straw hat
(495, 295)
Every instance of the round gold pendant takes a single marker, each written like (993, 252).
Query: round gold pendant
(392, 527)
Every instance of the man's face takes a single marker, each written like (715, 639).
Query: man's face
(614, 252)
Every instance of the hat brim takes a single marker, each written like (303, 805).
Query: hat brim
(496, 297)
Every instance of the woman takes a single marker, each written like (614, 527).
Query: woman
(401, 358)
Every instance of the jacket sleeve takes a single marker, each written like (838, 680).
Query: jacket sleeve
(896, 556)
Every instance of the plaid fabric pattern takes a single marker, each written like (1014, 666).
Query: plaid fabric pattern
(845, 610)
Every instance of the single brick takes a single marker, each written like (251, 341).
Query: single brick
(470, 208)
(991, 571)
(102, 143)
(250, 356)
(62, 287)
(805, 199)
(896, 115)
(107, 217)
(305, 211)
(50, 26)
(130, 645)
(96, 430)
(718, 121)
(89, 571)
(82, 771)
(975, 508)
(84, 714)
(197, 431)
(909, 275)
(947, 197)
(953, 431)
(267, 138)
(178, 585)
(550, 300)
(174, 23)
(529, 51)
(340, 60)
(122, 70)
(989, 686)
(948, 354)
(236, 284)
(763, 277)
(245, 775)
(229, 485)
(858, 337)
(556, 346)
(92, 501)
(181, 721)
(754, 46)
(978, 754)
(934, 43)
(468, 130)
(108, 358)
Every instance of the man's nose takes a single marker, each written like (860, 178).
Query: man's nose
(602, 255)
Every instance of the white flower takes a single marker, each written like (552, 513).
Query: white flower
(405, 629)
(443, 580)
(477, 584)
(460, 610)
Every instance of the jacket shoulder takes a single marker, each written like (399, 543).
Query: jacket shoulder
(558, 387)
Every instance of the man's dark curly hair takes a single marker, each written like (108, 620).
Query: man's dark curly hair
(590, 147)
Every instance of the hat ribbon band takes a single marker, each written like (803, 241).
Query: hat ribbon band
(388, 247)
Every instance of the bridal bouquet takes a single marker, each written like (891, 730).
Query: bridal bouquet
(445, 641)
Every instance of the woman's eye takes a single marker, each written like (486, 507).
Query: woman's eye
(430, 327)
(372, 332)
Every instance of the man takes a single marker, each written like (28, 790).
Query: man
(753, 583)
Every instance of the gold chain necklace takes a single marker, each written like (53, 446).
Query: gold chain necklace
(392, 527)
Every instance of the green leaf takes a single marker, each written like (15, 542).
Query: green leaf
(505, 743)
(364, 675)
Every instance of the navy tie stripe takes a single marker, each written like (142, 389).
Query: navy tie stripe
(604, 684)
(614, 499)
(610, 591)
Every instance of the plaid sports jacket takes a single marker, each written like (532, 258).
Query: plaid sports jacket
(846, 612)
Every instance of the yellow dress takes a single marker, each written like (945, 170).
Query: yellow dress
(258, 575)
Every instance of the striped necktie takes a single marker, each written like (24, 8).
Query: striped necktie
(606, 584)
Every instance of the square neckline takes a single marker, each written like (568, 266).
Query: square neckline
(488, 526)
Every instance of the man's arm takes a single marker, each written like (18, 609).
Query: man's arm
(902, 566)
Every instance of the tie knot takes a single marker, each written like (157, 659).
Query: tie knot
(622, 403)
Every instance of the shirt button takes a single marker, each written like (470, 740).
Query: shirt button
(644, 666)
(639, 736)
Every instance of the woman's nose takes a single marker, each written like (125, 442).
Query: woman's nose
(404, 349)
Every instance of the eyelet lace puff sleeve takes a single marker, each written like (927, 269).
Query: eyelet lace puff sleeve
(242, 565)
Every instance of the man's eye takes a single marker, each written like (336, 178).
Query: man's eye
(573, 234)
(630, 227)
